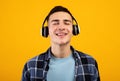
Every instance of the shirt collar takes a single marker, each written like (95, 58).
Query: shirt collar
(48, 54)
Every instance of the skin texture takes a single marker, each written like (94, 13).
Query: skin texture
(60, 32)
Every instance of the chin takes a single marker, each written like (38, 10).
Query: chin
(63, 43)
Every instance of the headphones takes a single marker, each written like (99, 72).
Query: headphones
(45, 30)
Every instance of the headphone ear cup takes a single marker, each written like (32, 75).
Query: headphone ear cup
(75, 30)
(45, 31)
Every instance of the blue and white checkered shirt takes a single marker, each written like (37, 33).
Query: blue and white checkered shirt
(85, 67)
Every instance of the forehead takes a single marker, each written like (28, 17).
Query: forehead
(60, 16)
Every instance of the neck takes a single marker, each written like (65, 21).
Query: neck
(61, 51)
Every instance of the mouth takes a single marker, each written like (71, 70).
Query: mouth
(61, 35)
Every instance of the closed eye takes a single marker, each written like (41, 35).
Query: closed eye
(67, 22)
(55, 22)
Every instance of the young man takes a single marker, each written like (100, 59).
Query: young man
(61, 62)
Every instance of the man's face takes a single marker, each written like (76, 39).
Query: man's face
(60, 28)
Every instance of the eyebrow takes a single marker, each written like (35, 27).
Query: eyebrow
(66, 20)
(56, 20)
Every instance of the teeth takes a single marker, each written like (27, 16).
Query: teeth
(60, 34)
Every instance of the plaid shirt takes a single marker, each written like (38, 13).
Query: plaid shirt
(85, 67)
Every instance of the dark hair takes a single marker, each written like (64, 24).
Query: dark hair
(58, 9)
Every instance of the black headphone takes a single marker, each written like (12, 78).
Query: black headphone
(45, 30)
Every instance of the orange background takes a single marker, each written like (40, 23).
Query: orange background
(20, 24)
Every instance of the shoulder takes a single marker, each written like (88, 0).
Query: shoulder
(31, 63)
(86, 58)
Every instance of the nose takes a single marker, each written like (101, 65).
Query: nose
(61, 26)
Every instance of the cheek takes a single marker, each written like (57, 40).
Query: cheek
(51, 30)
(70, 29)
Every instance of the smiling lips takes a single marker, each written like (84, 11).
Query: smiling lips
(61, 34)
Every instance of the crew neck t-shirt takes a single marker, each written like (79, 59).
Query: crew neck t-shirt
(61, 69)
